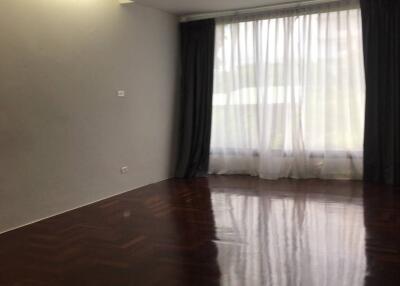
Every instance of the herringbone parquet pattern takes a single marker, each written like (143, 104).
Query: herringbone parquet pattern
(120, 241)
(166, 234)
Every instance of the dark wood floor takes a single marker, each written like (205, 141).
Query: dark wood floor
(233, 231)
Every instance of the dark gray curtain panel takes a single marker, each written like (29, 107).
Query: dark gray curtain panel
(381, 32)
(197, 66)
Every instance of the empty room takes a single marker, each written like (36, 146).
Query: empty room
(199, 143)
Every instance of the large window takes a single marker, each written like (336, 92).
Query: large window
(289, 94)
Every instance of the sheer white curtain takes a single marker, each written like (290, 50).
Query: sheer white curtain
(289, 94)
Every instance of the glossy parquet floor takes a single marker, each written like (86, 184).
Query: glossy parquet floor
(231, 231)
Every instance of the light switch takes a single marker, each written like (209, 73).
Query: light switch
(121, 93)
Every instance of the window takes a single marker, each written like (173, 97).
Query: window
(289, 95)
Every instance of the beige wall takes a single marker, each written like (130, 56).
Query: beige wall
(64, 134)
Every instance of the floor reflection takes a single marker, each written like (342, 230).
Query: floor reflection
(276, 239)
(216, 231)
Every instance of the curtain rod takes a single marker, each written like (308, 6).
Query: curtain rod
(285, 5)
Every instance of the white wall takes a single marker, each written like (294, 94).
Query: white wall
(64, 134)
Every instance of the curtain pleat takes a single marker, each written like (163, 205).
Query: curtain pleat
(197, 64)
(289, 94)
(381, 30)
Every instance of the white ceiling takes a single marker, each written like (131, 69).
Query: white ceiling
(186, 7)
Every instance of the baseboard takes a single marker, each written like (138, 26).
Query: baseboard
(78, 207)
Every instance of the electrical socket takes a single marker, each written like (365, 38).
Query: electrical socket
(124, 170)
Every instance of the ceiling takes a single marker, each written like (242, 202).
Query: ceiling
(186, 7)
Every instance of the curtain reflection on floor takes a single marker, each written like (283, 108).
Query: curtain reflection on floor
(277, 241)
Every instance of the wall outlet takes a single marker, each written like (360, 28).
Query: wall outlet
(124, 170)
(121, 93)
(126, 1)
